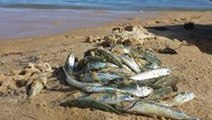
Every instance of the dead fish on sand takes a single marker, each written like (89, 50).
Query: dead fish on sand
(139, 91)
(178, 99)
(37, 85)
(151, 74)
(151, 108)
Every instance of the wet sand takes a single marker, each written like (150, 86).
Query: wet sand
(192, 64)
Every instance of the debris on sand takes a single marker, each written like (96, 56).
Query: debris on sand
(168, 50)
(129, 35)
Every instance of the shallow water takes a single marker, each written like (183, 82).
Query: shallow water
(21, 23)
(126, 5)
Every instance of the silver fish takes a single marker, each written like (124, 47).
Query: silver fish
(112, 98)
(100, 77)
(141, 63)
(138, 91)
(126, 68)
(135, 89)
(109, 56)
(151, 74)
(151, 58)
(98, 65)
(88, 59)
(71, 81)
(87, 102)
(179, 99)
(121, 72)
(107, 89)
(130, 63)
(70, 63)
(151, 108)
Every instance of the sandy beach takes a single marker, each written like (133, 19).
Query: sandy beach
(192, 63)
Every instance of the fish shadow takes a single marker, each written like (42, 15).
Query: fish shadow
(200, 36)
(59, 84)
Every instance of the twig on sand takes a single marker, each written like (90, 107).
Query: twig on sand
(29, 116)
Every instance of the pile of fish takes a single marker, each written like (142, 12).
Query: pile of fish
(124, 79)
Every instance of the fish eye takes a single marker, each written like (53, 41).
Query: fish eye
(168, 71)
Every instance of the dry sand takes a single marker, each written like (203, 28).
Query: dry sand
(193, 64)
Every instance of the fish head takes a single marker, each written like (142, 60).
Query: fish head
(144, 91)
(165, 71)
(185, 96)
(128, 97)
(71, 59)
(69, 63)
